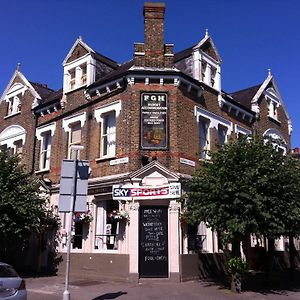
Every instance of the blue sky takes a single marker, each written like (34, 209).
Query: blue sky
(251, 36)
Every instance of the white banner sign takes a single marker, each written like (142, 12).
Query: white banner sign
(130, 192)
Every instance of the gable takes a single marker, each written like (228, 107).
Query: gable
(78, 52)
(153, 174)
(19, 82)
(210, 50)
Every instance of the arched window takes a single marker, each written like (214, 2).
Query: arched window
(277, 140)
(12, 138)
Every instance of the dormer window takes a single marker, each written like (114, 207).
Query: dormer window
(72, 73)
(77, 76)
(13, 98)
(83, 74)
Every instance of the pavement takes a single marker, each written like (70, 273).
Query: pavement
(52, 288)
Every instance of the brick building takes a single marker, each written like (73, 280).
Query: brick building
(145, 125)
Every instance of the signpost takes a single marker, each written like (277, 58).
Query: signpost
(72, 198)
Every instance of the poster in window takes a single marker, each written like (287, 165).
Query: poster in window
(154, 117)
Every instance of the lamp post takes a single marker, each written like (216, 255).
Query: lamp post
(75, 150)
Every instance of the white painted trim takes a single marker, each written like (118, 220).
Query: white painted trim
(12, 134)
(239, 129)
(73, 119)
(116, 106)
(215, 120)
(39, 131)
(27, 84)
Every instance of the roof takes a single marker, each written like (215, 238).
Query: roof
(114, 74)
(53, 97)
(42, 89)
(106, 60)
(183, 54)
(245, 96)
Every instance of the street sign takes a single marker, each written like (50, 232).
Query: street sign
(67, 181)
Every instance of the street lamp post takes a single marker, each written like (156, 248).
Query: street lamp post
(75, 150)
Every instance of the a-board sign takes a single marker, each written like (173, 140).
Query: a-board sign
(153, 241)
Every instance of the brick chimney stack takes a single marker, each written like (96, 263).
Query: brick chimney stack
(154, 53)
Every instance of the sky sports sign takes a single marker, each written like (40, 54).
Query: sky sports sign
(170, 191)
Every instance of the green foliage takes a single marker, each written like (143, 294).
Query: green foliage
(248, 187)
(21, 207)
(236, 265)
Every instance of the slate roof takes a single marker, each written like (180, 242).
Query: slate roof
(245, 96)
(183, 54)
(105, 60)
(42, 89)
(114, 74)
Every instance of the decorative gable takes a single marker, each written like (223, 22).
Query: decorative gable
(153, 174)
(270, 92)
(77, 52)
(15, 90)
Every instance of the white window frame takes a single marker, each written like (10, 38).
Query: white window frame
(273, 103)
(214, 120)
(203, 150)
(77, 66)
(12, 134)
(100, 213)
(100, 114)
(276, 135)
(241, 130)
(40, 135)
(108, 134)
(67, 126)
(16, 93)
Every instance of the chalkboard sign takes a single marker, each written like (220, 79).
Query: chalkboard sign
(153, 249)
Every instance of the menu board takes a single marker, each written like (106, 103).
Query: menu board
(154, 118)
(153, 246)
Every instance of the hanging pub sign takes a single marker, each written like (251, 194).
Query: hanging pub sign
(154, 118)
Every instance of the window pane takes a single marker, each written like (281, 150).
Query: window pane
(108, 139)
(203, 137)
(222, 134)
(76, 134)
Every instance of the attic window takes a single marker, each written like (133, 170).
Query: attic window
(77, 76)
(13, 104)
(272, 109)
(273, 103)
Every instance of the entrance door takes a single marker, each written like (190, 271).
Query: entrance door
(153, 242)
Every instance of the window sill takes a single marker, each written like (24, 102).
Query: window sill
(274, 120)
(12, 115)
(105, 158)
(42, 171)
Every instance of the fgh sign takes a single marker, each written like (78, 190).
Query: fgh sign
(154, 119)
(129, 192)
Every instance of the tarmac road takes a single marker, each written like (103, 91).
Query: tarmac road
(51, 288)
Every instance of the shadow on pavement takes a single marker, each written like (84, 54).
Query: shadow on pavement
(258, 282)
(110, 296)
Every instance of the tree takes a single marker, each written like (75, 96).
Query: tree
(248, 187)
(21, 206)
